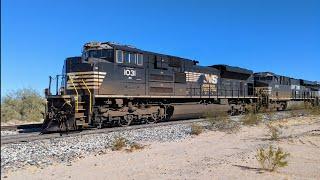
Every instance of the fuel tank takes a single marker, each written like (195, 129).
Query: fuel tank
(191, 111)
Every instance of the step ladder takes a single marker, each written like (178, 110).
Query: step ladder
(83, 106)
(81, 114)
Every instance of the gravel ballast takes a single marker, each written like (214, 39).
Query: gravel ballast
(42, 153)
(63, 150)
(7, 133)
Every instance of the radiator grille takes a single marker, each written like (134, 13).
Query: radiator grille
(158, 77)
(161, 90)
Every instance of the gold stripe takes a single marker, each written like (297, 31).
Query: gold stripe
(88, 76)
(87, 72)
(83, 87)
(90, 83)
(87, 80)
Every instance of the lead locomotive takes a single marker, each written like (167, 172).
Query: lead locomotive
(113, 84)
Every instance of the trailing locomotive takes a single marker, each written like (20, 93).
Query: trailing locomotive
(113, 84)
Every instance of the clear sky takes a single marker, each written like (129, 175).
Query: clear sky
(282, 36)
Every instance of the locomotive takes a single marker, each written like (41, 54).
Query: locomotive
(117, 85)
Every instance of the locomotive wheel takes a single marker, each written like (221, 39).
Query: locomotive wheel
(125, 120)
(153, 119)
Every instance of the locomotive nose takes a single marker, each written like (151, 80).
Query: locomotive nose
(85, 79)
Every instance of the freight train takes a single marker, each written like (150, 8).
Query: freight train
(117, 85)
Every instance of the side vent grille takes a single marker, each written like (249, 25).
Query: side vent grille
(157, 77)
(161, 90)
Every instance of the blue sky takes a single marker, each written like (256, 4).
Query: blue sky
(282, 36)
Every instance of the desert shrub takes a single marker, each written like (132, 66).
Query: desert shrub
(274, 131)
(134, 146)
(226, 125)
(196, 129)
(221, 121)
(118, 143)
(313, 110)
(24, 104)
(271, 159)
(214, 116)
(251, 118)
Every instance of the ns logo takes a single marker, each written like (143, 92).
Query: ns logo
(129, 72)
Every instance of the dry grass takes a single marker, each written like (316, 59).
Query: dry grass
(313, 110)
(118, 143)
(220, 121)
(196, 129)
(251, 118)
(214, 116)
(271, 159)
(274, 131)
(135, 146)
(306, 108)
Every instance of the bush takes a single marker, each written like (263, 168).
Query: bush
(313, 110)
(24, 105)
(118, 143)
(251, 118)
(271, 159)
(222, 122)
(214, 116)
(134, 146)
(196, 129)
(274, 132)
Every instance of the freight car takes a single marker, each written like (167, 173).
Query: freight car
(113, 84)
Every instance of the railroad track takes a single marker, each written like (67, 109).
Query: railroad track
(21, 127)
(28, 137)
(35, 135)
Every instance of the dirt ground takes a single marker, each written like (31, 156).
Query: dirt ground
(211, 155)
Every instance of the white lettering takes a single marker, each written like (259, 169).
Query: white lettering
(129, 72)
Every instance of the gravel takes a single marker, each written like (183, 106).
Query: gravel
(63, 150)
(6, 133)
(42, 153)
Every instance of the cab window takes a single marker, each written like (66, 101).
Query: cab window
(126, 57)
(119, 55)
(140, 59)
(132, 58)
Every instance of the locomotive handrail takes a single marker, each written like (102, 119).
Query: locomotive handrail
(90, 101)
(77, 101)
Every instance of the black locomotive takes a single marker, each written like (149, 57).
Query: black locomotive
(113, 84)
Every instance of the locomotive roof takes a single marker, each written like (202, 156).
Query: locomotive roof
(265, 74)
(308, 83)
(235, 69)
(129, 48)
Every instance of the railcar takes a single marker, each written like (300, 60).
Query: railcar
(117, 85)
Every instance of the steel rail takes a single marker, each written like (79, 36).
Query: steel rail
(31, 136)
(18, 138)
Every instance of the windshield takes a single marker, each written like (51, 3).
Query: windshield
(103, 53)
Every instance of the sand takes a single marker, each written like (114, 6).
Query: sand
(210, 155)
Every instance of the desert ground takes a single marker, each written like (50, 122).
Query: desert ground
(210, 155)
